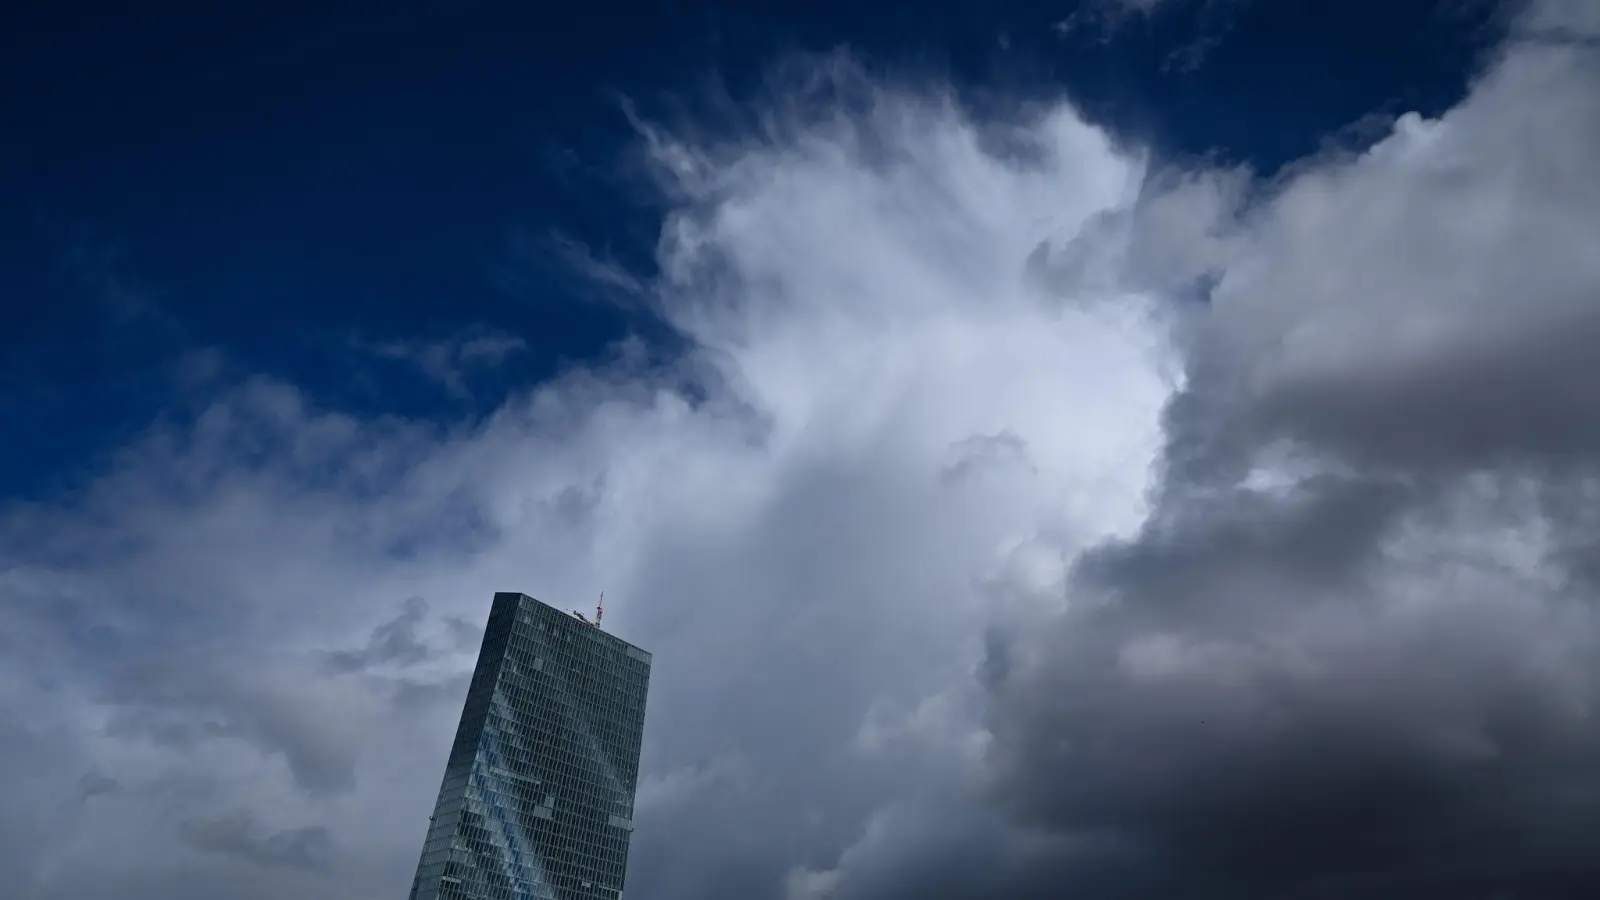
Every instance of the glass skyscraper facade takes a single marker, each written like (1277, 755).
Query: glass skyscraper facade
(537, 799)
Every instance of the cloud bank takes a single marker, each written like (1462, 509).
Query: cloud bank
(1028, 518)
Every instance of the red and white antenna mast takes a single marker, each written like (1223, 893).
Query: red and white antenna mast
(600, 609)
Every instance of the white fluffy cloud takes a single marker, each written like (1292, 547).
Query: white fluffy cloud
(805, 520)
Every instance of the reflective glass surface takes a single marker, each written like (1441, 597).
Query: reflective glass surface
(537, 798)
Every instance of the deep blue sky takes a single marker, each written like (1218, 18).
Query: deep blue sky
(276, 180)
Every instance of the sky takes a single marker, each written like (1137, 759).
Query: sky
(1119, 449)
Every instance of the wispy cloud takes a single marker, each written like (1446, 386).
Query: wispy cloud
(1105, 17)
(1103, 20)
(450, 361)
(534, 260)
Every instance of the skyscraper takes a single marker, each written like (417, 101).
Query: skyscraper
(537, 799)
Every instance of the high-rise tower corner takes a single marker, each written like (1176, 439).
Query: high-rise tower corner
(537, 797)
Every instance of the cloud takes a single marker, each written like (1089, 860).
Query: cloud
(1108, 13)
(1104, 20)
(662, 790)
(535, 261)
(760, 513)
(806, 884)
(1267, 571)
(94, 784)
(184, 705)
(1355, 627)
(1105, 17)
(980, 451)
(451, 361)
(394, 642)
(308, 849)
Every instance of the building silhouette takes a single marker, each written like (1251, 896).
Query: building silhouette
(537, 797)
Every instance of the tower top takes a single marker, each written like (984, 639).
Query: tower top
(599, 612)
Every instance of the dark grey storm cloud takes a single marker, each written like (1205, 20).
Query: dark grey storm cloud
(93, 784)
(395, 642)
(239, 834)
(1018, 525)
(1352, 652)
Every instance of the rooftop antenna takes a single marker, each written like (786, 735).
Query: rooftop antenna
(599, 610)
